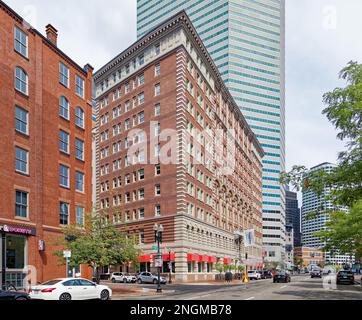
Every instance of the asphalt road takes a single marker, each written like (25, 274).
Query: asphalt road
(301, 288)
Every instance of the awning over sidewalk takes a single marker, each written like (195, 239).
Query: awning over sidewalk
(227, 261)
(151, 257)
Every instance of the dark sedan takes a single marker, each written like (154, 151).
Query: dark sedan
(266, 275)
(13, 295)
(345, 277)
(316, 274)
(281, 277)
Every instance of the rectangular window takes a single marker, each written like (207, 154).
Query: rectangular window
(157, 190)
(141, 213)
(157, 49)
(157, 70)
(157, 210)
(127, 124)
(141, 174)
(64, 176)
(157, 110)
(141, 79)
(79, 86)
(142, 237)
(141, 117)
(64, 213)
(64, 75)
(79, 181)
(141, 59)
(21, 160)
(141, 98)
(64, 141)
(21, 120)
(157, 170)
(127, 88)
(157, 89)
(79, 216)
(141, 194)
(79, 149)
(21, 204)
(21, 42)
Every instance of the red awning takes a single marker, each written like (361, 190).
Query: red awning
(145, 258)
(166, 257)
(203, 259)
(192, 257)
(212, 259)
(227, 261)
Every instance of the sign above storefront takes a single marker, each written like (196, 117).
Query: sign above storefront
(18, 230)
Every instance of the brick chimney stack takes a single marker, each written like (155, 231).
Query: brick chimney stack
(52, 34)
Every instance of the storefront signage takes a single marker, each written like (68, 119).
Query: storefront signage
(158, 261)
(18, 230)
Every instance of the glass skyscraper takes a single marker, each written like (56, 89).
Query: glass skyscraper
(246, 39)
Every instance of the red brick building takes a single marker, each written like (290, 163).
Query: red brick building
(167, 131)
(45, 160)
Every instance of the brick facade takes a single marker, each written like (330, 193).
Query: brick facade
(41, 183)
(201, 206)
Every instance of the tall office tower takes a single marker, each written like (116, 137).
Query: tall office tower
(312, 204)
(45, 143)
(246, 40)
(293, 216)
(167, 127)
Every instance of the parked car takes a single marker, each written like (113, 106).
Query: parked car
(316, 273)
(254, 275)
(148, 277)
(345, 276)
(70, 289)
(281, 276)
(13, 295)
(123, 277)
(266, 274)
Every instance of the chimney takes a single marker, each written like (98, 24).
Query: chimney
(52, 34)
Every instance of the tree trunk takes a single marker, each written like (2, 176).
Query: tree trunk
(98, 275)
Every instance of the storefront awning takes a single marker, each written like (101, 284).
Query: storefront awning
(227, 261)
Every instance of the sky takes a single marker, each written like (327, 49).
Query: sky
(322, 36)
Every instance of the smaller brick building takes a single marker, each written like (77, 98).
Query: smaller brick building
(45, 159)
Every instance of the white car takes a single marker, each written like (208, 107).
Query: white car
(70, 289)
(254, 275)
(123, 277)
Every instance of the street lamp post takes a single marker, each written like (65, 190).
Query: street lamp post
(158, 229)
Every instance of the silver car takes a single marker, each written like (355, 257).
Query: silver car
(148, 277)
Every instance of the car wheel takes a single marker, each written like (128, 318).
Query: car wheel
(105, 295)
(125, 280)
(139, 281)
(21, 299)
(113, 280)
(65, 296)
(154, 281)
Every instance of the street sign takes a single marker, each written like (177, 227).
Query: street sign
(158, 261)
(155, 248)
(67, 254)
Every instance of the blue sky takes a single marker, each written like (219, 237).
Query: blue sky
(322, 36)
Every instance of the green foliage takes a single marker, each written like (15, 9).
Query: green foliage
(98, 244)
(344, 111)
(219, 267)
(298, 262)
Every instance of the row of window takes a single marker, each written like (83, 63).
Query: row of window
(64, 138)
(64, 178)
(22, 209)
(137, 196)
(22, 80)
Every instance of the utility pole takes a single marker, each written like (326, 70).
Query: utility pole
(158, 229)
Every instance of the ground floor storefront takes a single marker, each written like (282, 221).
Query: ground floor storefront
(27, 255)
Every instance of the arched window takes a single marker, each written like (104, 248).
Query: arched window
(79, 117)
(64, 107)
(21, 80)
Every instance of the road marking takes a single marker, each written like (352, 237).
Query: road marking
(283, 287)
(251, 298)
(198, 297)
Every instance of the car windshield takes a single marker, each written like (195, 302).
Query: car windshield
(345, 273)
(50, 283)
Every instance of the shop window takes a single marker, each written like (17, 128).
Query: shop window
(15, 252)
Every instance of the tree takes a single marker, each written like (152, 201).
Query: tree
(298, 262)
(344, 111)
(98, 244)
